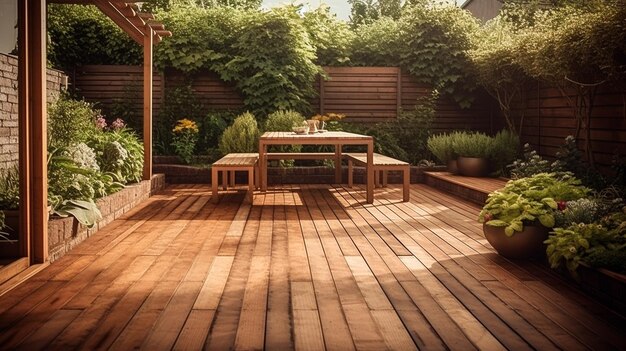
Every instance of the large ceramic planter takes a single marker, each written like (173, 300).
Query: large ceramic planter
(452, 167)
(10, 248)
(525, 244)
(473, 167)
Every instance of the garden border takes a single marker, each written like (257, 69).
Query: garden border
(66, 233)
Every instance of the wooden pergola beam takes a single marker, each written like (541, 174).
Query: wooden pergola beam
(122, 21)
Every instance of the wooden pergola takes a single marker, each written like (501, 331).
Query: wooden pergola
(143, 28)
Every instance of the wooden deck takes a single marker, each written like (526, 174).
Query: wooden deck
(306, 268)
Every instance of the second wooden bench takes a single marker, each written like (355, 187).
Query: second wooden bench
(231, 163)
(382, 164)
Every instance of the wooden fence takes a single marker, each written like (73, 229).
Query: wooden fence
(363, 94)
(548, 118)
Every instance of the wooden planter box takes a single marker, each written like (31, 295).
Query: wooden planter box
(607, 286)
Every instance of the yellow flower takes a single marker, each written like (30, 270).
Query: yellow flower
(184, 125)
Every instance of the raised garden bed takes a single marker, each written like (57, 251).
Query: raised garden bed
(65, 233)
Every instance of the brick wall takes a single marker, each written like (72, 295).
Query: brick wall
(9, 106)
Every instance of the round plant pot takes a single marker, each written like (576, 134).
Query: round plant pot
(473, 167)
(524, 244)
(452, 167)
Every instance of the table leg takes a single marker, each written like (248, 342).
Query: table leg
(250, 194)
(232, 178)
(350, 173)
(385, 178)
(338, 164)
(370, 172)
(214, 180)
(406, 184)
(224, 179)
(262, 166)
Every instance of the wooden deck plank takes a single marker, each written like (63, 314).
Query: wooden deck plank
(302, 267)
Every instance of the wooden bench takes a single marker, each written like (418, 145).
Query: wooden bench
(382, 164)
(230, 164)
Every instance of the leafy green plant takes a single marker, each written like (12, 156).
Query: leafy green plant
(330, 37)
(85, 211)
(3, 235)
(242, 136)
(185, 139)
(9, 188)
(574, 244)
(473, 144)
(70, 121)
(531, 199)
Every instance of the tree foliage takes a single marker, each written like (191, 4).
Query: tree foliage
(83, 35)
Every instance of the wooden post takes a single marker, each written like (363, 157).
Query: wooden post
(321, 94)
(370, 172)
(24, 121)
(38, 135)
(399, 93)
(147, 103)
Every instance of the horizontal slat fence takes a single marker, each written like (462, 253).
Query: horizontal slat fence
(548, 119)
(363, 94)
(109, 85)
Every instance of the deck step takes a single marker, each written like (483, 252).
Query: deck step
(468, 188)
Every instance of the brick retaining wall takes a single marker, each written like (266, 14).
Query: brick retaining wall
(65, 233)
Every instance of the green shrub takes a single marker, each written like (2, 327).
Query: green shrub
(442, 146)
(212, 127)
(577, 211)
(530, 164)
(70, 121)
(505, 149)
(9, 188)
(283, 121)
(612, 260)
(242, 136)
(412, 129)
(473, 144)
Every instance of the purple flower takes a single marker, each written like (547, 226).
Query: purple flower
(101, 123)
(118, 124)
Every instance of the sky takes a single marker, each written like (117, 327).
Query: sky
(340, 7)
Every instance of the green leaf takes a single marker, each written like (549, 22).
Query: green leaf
(547, 220)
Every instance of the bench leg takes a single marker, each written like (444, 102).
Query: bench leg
(377, 179)
(385, 178)
(350, 173)
(232, 178)
(257, 182)
(250, 194)
(406, 184)
(214, 180)
(338, 164)
(224, 180)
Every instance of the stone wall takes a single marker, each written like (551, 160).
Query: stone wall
(65, 233)
(9, 106)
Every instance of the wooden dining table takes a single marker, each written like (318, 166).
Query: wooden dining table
(337, 139)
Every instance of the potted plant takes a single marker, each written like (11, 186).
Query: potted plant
(518, 217)
(442, 147)
(474, 150)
